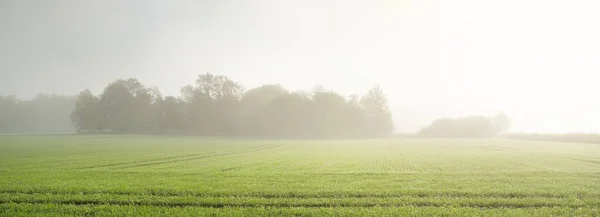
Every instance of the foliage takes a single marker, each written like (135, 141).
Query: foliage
(471, 126)
(216, 105)
(85, 117)
(501, 122)
(42, 114)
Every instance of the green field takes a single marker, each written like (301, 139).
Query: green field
(191, 176)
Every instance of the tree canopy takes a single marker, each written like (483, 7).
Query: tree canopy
(42, 114)
(470, 126)
(217, 105)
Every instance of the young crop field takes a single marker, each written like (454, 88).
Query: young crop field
(196, 176)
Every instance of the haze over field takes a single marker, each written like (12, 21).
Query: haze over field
(299, 108)
(535, 60)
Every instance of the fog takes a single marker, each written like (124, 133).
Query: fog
(537, 61)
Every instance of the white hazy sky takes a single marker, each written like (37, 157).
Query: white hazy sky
(537, 60)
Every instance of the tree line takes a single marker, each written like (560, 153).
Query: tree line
(217, 105)
(42, 114)
(470, 126)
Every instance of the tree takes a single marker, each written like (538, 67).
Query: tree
(144, 109)
(502, 122)
(196, 106)
(124, 107)
(49, 113)
(9, 107)
(329, 110)
(291, 115)
(356, 117)
(212, 104)
(254, 115)
(43, 114)
(378, 116)
(470, 126)
(85, 116)
(170, 115)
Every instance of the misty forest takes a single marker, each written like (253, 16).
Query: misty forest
(215, 105)
(218, 106)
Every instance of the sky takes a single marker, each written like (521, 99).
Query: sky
(536, 60)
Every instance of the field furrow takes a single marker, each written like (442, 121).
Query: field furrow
(191, 176)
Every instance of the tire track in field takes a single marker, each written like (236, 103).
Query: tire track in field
(196, 157)
(279, 159)
(231, 168)
(511, 195)
(70, 161)
(225, 204)
(178, 158)
(70, 158)
(140, 161)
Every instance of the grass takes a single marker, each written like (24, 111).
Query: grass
(191, 176)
